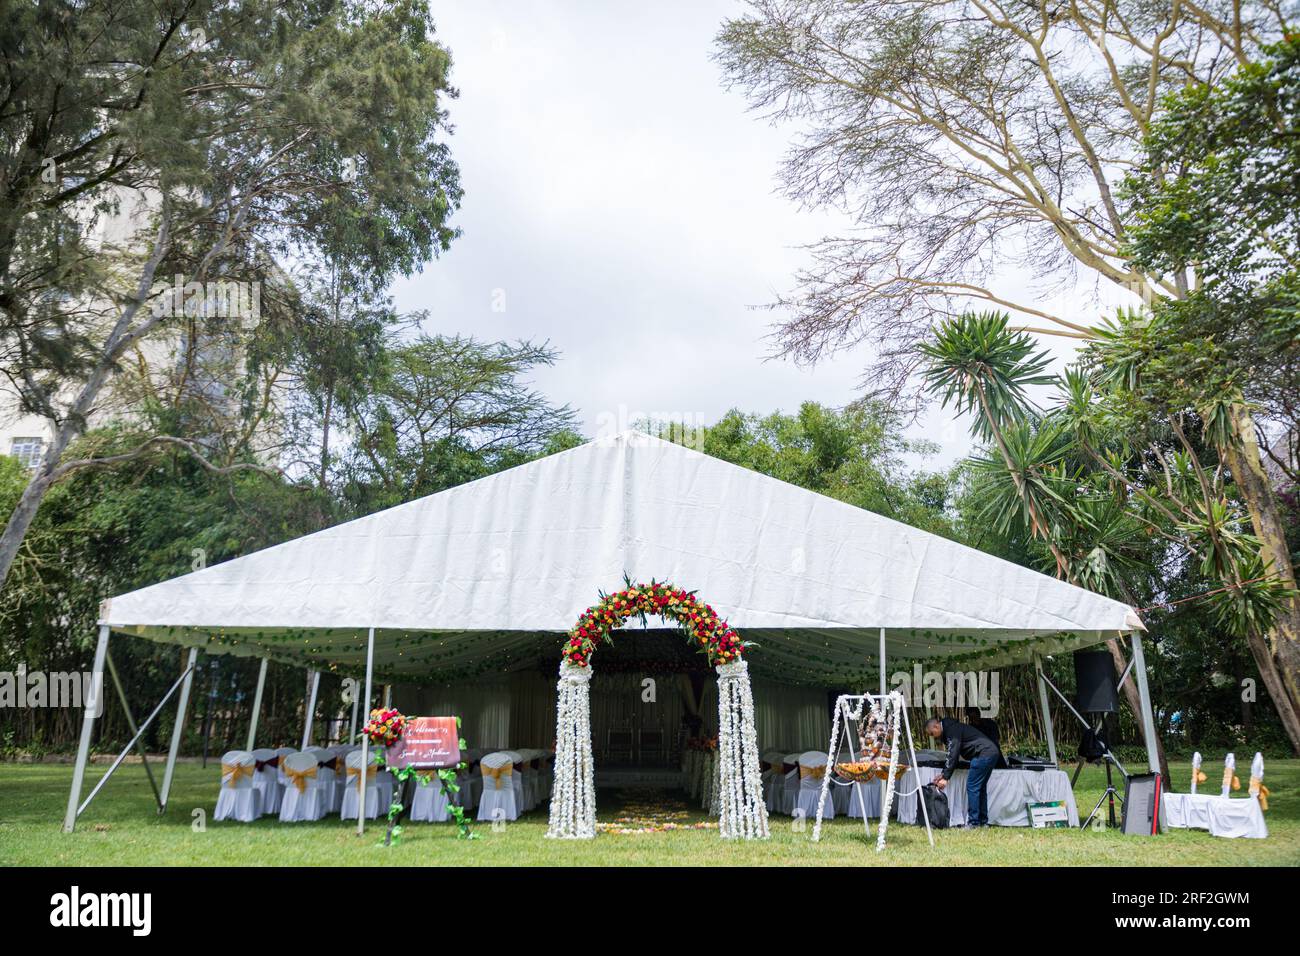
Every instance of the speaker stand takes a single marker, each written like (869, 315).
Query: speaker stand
(1110, 795)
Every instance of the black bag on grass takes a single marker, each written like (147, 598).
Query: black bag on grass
(936, 806)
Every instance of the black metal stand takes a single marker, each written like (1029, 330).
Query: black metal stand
(1111, 793)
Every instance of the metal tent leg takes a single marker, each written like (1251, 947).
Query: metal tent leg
(365, 741)
(1044, 704)
(257, 705)
(310, 714)
(182, 709)
(1147, 716)
(130, 723)
(92, 703)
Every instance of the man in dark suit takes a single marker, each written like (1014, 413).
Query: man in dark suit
(964, 742)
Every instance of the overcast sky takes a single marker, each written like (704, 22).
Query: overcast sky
(620, 203)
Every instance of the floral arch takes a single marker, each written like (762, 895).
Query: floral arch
(741, 813)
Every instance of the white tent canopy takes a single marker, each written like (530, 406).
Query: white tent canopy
(494, 569)
(490, 575)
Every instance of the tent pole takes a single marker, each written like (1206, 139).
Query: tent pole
(365, 741)
(182, 708)
(311, 710)
(1043, 703)
(91, 700)
(131, 725)
(257, 705)
(882, 662)
(1147, 716)
(884, 786)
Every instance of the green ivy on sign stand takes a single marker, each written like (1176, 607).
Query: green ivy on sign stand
(448, 785)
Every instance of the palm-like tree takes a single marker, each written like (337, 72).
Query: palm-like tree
(980, 366)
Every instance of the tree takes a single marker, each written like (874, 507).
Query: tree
(981, 368)
(856, 454)
(1099, 483)
(235, 136)
(445, 410)
(1230, 349)
(964, 135)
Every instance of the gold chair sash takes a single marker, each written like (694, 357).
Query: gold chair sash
(1259, 791)
(1230, 779)
(372, 773)
(234, 771)
(496, 773)
(815, 772)
(299, 777)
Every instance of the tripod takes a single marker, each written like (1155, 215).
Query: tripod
(1111, 794)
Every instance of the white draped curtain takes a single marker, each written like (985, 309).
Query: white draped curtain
(518, 709)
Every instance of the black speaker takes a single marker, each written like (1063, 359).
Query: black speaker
(1094, 679)
(1142, 809)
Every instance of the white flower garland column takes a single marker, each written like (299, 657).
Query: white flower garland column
(741, 812)
(573, 794)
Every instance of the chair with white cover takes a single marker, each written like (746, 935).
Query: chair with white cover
(773, 778)
(281, 753)
(790, 783)
(469, 780)
(812, 770)
(499, 800)
(238, 798)
(430, 804)
(329, 780)
(266, 780)
(520, 781)
(305, 797)
(352, 788)
(841, 792)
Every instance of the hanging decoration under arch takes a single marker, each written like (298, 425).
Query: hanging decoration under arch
(741, 812)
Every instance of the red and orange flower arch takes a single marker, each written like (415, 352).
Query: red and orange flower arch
(704, 629)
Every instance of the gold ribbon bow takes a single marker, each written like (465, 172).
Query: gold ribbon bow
(1259, 791)
(372, 772)
(235, 771)
(1231, 779)
(1198, 776)
(817, 772)
(496, 773)
(299, 777)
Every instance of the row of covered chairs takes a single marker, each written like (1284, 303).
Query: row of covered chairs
(792, 784)
(299, 785)
(318, 781)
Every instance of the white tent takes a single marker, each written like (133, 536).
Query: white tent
(493, 569)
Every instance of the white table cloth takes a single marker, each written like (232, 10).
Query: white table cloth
(1222, 816)
(1009, 793)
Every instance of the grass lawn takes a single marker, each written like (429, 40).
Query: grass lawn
(122, 828)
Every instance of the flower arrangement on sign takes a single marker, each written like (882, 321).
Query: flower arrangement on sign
(704, 629)
(385, 728)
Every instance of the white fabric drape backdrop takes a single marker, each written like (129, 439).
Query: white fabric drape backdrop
(518, 709)
(484, 706)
